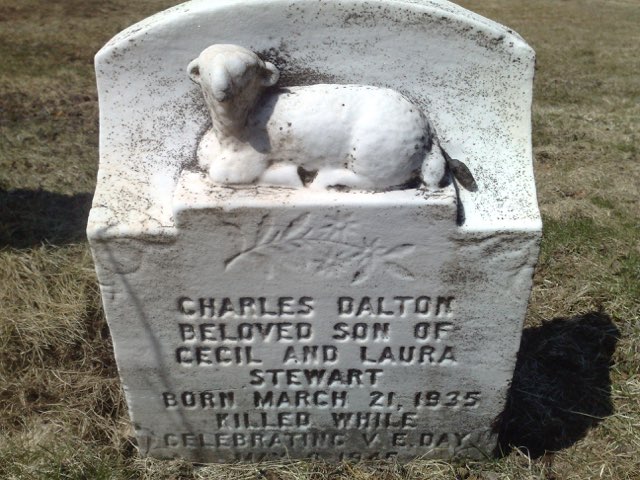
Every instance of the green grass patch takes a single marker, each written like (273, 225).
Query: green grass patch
(573, 235)
(603, 257)
(603, 203)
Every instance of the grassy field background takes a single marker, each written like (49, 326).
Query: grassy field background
(574, 409)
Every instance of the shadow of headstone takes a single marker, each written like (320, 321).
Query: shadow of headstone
(561, 386)
(31, 217)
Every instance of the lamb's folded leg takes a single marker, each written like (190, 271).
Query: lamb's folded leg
(338, 177)
(281, 175)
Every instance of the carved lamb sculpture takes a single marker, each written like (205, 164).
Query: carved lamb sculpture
(333, 135)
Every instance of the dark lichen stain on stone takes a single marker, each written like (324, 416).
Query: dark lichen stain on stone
(294, 72)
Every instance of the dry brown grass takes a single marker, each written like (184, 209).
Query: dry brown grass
(61, 410)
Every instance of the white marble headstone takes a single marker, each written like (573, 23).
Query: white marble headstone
(293, 261)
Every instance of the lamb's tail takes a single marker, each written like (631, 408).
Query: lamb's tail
(459, 171)
(439, 169)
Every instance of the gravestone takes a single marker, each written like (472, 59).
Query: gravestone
(315, 227)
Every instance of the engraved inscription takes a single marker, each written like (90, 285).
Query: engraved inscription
(300, 398)
(313, 439)
(424, 354)
(433, 399)
(315, 377)
(324, 354)
(245, 307)
(216, 356)
(206, 399)
(226, 332)
(254, 440)
(397, 306)
(318, 379)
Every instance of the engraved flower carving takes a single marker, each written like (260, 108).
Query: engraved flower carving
(375, 256)
(332, 249)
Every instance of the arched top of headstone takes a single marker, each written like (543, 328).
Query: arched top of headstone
(472, 76)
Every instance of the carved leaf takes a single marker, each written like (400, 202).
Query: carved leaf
(296, 228)
(362, 273)
(287, 247)
(400, 251)
(323, 232)
(266, 230)
(398, 271)
(232, 225)
(237, 228)
(276, 236)
(332, 250)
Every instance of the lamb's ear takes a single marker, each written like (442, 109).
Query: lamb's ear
(194, 70)
(271, 75)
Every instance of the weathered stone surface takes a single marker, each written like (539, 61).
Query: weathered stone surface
(252, 321)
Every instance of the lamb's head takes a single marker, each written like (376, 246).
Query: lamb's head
(232, 79)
